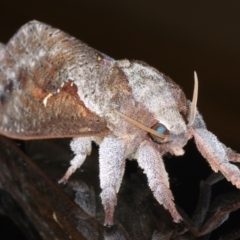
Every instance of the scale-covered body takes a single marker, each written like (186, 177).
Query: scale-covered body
(53, 85)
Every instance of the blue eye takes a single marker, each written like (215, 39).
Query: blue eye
(161, 129)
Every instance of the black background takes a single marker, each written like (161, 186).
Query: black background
(176, 37)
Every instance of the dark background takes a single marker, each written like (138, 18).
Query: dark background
(176, 37)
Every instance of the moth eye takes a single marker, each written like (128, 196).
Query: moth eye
(160, 128)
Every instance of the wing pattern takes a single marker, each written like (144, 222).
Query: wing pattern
(38, 95)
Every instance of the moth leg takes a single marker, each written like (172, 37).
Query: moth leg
(112, 165)
(232, 155)
(81, 147)
(216, 154)
(151, 162)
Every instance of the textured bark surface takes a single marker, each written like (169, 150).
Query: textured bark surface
(43, 210)
(53, 214)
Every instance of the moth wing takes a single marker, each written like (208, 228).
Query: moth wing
(38, 94)
(64, 115)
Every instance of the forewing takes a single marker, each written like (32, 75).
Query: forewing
(38, 95)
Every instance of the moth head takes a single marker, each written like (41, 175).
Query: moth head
(160, 133)
(158, 94)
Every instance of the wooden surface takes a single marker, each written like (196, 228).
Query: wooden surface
(41, 209)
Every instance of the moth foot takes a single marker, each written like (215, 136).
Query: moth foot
(110, 227)
(109, 200)
(164, 196)
(68, 174)
(108, 222)
(235, 181)
(231, 173)
(63, 181)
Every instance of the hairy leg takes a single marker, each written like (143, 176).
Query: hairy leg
(112, 166)
(216, 154)
(81, 147)
(151, 162)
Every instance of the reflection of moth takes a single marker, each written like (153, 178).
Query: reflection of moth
(53, 85)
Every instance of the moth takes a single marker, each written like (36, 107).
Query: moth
(54, 86)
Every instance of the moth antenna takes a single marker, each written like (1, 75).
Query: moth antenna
(141, 126)
(193, 109)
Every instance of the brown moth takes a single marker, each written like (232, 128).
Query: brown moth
(53, 86)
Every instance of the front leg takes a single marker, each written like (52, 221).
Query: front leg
(232, 155)
(216, 154)
(81, 147)
(112, 165)
(151, 162)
